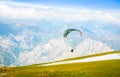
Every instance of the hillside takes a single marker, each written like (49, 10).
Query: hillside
(104, 68)
(84, 57)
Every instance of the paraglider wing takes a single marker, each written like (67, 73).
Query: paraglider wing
(70, 30)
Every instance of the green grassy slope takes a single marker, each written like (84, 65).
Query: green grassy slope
(107, 68)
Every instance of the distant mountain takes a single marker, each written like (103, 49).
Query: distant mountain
(57, 49)
(44, 41)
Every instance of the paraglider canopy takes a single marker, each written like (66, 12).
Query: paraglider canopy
(70, 30)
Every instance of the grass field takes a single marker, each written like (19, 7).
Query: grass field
(106, 68)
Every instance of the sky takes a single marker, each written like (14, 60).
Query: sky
(101, 4)
(31, 31)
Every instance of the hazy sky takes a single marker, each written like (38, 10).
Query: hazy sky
(102, 4)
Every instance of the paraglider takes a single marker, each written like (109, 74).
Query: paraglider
(69, 31)
(72, 50)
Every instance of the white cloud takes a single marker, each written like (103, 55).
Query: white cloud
(14, 10)
(20, 12)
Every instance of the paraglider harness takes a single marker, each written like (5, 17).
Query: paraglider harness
(72, 50)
